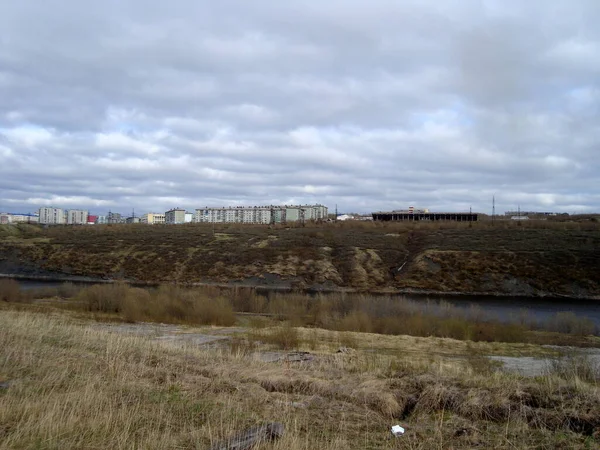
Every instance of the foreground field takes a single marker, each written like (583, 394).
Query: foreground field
(77, 383)
(538, 258)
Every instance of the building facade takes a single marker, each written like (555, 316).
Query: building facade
(261, 214)
(175, 216)
(51, 216)
(77, 217)
(153, 218)
(24, 218)
(114, 218)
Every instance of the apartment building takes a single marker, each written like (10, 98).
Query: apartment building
(114, 218)
(153, 218)
(51, 216)
(77, 217)
(175, 216)
(261, 214)
(23, 218)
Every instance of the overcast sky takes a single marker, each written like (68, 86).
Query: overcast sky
(373, 105)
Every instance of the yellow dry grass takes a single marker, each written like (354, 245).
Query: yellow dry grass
(77, 385)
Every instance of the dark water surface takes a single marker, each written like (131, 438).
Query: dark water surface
(505, 309)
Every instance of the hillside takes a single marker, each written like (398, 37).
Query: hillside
(508, 258)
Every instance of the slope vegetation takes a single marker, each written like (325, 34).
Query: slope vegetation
(535, 259)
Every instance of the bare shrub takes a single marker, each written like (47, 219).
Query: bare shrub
(356, 321)
(348, 339)
(68, 290)
(107, 298)
(569, 322)
(10, 291)
(285, 337)
(258, 322)
(575, 366)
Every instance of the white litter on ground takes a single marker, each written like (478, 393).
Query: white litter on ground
(397, 430)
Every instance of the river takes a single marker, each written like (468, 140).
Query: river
(506, 309)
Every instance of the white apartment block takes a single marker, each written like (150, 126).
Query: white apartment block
(5, 218)
(261, 214)
(22, 218)
(52, 216)
(77, 217)
(175, 216)
(153, 218)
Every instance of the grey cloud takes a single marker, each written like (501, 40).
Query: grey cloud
(114, 105)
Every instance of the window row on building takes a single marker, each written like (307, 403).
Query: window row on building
(57, 216)
(234, 214)
(261, 214)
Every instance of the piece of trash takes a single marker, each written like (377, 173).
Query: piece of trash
(397, 430)
(4, 384)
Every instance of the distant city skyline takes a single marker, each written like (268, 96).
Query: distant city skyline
(372, 106)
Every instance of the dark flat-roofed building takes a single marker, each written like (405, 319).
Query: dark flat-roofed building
(424, 216)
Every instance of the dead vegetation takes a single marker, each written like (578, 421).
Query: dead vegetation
(167, 304)
(339, 312)
(536, 258)
(74, 385)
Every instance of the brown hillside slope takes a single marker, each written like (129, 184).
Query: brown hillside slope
(562, 259)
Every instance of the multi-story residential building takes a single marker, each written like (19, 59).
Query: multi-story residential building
(51, 216)
(24, 218)
(153, 218)
(189, 217)
(132, 219)
(77, 217)
(101, 220)
(5, 218)
(114, 218)
(175, 216)
(262, 214)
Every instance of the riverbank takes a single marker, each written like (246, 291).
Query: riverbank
(72, 382)
(415, 259)
(509, 319)
(417, 293)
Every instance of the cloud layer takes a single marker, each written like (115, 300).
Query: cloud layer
(368, 105)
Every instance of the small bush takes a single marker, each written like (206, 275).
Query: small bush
(576, 366)
(569, 322)
(348, 339)
(10, 291)
(107, 298)
(356, 321)
(68, 290)
(285, 337)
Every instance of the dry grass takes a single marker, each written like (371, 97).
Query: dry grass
(168, 304)
(537, 258)
(340, 312)
(74, 385)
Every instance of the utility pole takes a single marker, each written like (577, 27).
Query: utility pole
(493, 208)
(336, 212)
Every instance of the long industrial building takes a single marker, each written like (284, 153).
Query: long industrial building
(424, 216)
(262, 214)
